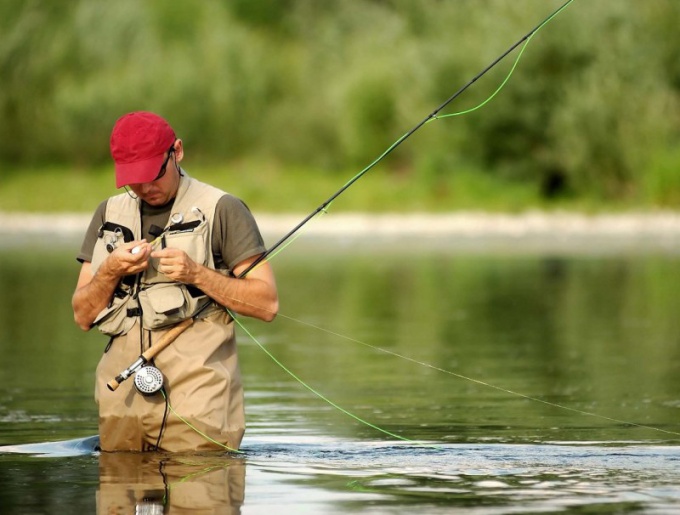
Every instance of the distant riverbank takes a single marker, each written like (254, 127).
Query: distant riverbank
(547, 230)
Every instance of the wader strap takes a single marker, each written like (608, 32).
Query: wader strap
(108, 345)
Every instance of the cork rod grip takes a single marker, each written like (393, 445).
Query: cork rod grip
(167, 339)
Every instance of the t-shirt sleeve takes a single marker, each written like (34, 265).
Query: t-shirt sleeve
(87, 248)
(236, 236)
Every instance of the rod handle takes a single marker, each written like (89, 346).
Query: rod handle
(167, 339)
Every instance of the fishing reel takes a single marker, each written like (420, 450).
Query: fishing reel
(148, 380)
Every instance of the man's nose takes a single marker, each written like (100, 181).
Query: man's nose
(144, 188)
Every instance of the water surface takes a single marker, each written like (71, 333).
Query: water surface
(516, 381)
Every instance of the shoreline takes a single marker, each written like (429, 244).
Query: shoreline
(466, 224)
(531, 233)
(476, 233)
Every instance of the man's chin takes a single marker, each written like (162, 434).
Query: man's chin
(153, 200)
(156, 201)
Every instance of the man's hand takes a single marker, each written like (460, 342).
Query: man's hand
(177, 265)
(94, 291)
(129, 258)
(254, 295)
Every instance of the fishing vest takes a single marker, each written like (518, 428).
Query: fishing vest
(152, 296)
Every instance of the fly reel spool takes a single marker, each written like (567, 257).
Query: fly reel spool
(148, 380)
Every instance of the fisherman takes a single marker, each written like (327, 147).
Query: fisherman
(167, 249)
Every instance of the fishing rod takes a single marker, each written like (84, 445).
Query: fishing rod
(173, 333)
(428, 118)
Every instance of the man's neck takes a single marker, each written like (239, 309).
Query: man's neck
(148, 209)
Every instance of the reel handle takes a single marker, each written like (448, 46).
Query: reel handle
(149, 354)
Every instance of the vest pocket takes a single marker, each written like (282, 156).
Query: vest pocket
(162, 304)
(190, 237)
(166, 304)
(113, 320)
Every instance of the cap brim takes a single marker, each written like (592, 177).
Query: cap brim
(138, 172)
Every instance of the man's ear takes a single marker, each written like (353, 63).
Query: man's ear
(179, 150)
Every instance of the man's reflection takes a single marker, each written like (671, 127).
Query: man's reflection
(155, 483)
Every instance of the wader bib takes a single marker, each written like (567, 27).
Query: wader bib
(202, 378)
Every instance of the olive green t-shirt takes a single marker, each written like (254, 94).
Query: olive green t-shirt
(235, 235)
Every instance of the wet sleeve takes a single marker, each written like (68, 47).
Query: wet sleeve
(87, 248)
(236, 236)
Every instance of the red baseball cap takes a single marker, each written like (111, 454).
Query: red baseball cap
(139, 142)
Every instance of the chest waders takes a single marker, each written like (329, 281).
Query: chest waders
(201, 366)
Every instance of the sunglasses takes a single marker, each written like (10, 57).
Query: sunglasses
(164, 166)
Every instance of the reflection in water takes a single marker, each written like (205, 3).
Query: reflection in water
(336, 476)
(152, 483)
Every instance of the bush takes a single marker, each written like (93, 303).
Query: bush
(592, 108)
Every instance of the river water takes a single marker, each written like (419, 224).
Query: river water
(428, 376)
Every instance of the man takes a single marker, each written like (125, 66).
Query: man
(168, 249)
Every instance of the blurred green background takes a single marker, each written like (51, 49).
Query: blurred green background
(282, 101)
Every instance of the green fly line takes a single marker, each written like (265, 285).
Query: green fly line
(194, 428)
(478, 381)
(322, 396)
(323, 209)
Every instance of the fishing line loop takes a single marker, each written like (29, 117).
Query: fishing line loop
(323, 208)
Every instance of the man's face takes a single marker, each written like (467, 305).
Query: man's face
(163, 189)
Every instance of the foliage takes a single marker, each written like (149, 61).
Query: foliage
(591, 111)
